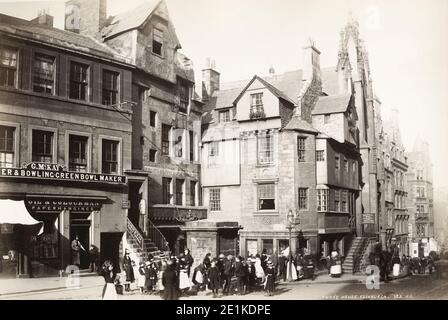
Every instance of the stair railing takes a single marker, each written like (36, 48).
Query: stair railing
(135, 234)
(157, 237)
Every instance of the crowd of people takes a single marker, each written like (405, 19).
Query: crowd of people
(174, 277)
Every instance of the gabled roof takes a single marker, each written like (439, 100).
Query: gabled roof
(330, 81)
(132, 19)
(57, 37)
(332, 104)
(279, 94)
(298, 124)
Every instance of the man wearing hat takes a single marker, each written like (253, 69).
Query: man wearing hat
(220, 267)
(240, 274)
(169, 281)
(228, 273)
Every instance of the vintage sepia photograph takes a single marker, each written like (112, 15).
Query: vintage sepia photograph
(223, 150)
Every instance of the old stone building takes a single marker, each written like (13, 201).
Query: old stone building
(394, 214)
(420, 192)
(65, 144)
(267, 154)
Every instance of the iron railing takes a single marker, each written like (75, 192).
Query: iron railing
(135, 234)
(157, 238)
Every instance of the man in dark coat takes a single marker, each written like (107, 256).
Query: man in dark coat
(228, 273)
(169, 281)
(129, 270)
(220, 265)
(282, 267)
(188, 260)
(264, 259)
(240, 274)
(213, 278)
(251, 275)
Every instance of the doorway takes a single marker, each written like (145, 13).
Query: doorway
(110, 248)
(80, 226)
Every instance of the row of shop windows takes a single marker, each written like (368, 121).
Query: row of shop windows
(44, 76)
(266, 193)
(43, 147)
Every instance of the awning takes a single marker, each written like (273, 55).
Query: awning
(15, 212)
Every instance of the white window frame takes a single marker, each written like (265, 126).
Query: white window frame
(219, 204)
(16, 126)
(119, 152)
(69, 133)
(323, 194)
(262, 139)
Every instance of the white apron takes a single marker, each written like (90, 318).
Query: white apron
(184, 281)
(293, 270)
(109, 292)
(396, 270)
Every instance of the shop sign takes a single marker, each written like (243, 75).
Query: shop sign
(60, 205)
(125, 204)
(368, 218)
(47, 171)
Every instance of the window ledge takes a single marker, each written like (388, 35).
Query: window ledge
(265, 165)
(266, 213)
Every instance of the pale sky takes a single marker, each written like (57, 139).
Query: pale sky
(407, 41)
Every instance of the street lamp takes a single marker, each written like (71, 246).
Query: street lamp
(293, 221)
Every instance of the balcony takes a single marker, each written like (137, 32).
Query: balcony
(177, 214)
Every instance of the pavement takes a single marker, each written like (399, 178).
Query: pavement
(11, 287)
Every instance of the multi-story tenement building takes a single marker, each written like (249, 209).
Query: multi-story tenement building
(420, 192)
(164, 182)
(267, 154)
(65, 143)
(395, 217)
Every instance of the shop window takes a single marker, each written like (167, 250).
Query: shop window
(166, 129)
(109, 156)
(110, 87)
(180, 192)
(42, 150)
(7, 143)
(79, 81)
(215, 199)
(46, 245)
(268, 246)
(166, 190)
(43, 74)
(266, 196)
(8, 67)
(78, 153)
(265, 148)
(157, 42)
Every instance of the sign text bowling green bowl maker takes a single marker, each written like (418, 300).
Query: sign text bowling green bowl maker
(48, 171)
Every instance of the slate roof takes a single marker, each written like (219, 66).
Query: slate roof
(298, 124)
(131, 19)
(57, 37)
(332, 104)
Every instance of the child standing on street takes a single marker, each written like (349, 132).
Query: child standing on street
(270, 278)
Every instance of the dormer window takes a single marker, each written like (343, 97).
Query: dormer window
(157, 42)
(224, 116)
(256, 106)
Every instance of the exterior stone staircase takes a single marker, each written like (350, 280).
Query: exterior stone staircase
(352, 263)
(140, 247)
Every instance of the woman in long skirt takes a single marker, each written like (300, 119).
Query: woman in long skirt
(109, 292)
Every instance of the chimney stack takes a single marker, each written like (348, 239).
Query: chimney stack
(86, 17)
(210, 79)
(311, 63)
(43, 18)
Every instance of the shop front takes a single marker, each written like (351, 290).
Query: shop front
(64, 207)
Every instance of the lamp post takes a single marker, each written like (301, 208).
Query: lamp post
(293, 221)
